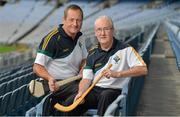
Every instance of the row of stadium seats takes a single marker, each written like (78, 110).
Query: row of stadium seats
(55, 19)
(13, 69)
(14, 74)
(127, 102)
(16, 83)
(17, 102)
(15, 98)
(14, 95)
(14, 92)
(120, 11)
(149, 16)
(173, 32)
(30, 13)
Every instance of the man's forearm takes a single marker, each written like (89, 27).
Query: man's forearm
(135, 71)
(41, 72)
(84, 85)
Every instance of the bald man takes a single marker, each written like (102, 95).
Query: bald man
(126, 62)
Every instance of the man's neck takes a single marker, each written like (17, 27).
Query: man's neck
(107, 46)
(70, 35)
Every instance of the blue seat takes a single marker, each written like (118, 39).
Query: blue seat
(5, 103)
(27, 95)
(9, 86)
(91, 112)
(1, 97)
(3, 88)
(22, 80)
(2, 80)
(20, 100)
(31, 112)
(38, 110)
(27, 78)
(12, 103)
(117, 108)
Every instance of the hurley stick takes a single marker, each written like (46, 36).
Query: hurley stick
(78, 101)
(37, 89)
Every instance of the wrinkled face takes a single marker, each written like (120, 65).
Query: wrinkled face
(73, 22)
(104, 31)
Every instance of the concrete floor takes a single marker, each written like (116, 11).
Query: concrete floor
(161, 93)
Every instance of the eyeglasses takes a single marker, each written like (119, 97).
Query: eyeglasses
(106, 29)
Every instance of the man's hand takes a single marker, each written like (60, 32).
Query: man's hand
(78, 96)
(109, 73)
(52, 85)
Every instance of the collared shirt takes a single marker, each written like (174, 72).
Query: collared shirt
(60, 54)
(121, 56)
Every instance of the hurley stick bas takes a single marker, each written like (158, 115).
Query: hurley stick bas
(78, 101)
(39, 89)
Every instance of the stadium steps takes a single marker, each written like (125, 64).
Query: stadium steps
(161, 94)
(39, 13)
(168, 52)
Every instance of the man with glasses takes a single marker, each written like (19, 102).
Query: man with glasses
(60, 55)
(126, 62)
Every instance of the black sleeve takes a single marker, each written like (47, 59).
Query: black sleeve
(48, 46)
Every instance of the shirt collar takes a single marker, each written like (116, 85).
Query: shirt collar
(112, 47)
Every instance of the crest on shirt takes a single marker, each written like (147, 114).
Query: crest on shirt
(117, 58)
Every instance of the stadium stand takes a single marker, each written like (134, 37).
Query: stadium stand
(174, 38)
(37, 14)
(54, 20)
(136, 24)
(9, 15)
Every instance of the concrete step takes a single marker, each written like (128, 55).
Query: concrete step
(168, 50)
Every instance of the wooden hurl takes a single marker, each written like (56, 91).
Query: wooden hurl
(78, 101)
(37, 89)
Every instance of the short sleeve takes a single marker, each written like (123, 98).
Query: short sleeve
(46, 50)
(48, 44)
(88, 69)
(42, 59)
(133, 58)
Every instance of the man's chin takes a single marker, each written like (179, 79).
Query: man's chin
(74, 32)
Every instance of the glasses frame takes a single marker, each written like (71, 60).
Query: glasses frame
(104, 29)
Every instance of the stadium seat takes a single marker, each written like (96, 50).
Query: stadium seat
(5, 103)
(9, 86)
(31, 112)
(38, 108)
(20, 100)
(1, 97)
(12, 103)
(21, 80)
(91, 112)
(25, 101)
(3, 88)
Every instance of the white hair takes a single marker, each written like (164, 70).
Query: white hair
(105, 17)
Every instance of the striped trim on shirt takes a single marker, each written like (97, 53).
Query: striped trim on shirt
(49, 36)
(138, 56)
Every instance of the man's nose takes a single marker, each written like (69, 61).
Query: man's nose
(102, 32)
(75, 22)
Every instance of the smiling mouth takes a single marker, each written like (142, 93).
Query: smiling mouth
(102, 37)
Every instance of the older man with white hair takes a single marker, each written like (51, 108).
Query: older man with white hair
(126, 62)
